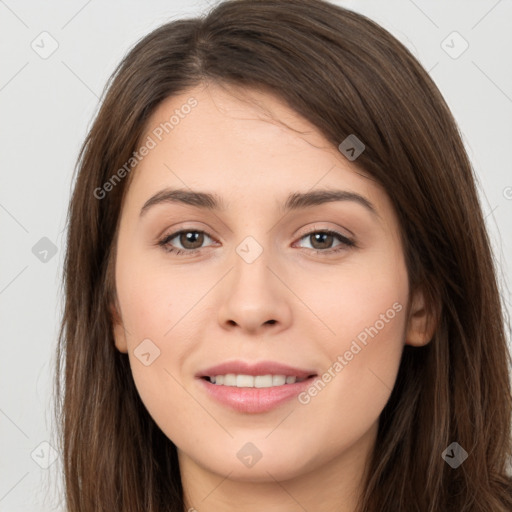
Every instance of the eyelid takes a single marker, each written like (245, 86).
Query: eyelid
(166, 238)
(345, 241)
(316, 228)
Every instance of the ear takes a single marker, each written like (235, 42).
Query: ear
(421, 324)
(118, 330)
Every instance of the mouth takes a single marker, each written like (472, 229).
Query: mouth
(254, 374)
(254, 388)
(255, 381)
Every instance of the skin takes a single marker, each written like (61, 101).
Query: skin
(213, 306)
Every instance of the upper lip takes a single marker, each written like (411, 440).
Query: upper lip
(259, 368)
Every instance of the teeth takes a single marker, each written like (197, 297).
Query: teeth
(278, 380)
(250, 381)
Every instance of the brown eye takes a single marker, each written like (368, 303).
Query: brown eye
(321, 240)
(324, 241)
(184, 241)
(191, 239)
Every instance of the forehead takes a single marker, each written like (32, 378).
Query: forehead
(220, 107)
(241, 143)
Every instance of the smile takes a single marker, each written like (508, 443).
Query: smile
(253, 381)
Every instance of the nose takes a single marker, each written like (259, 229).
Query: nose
(254, 297)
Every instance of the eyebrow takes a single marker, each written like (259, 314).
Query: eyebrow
(295, 201)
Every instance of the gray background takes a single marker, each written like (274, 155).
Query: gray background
(47, 105)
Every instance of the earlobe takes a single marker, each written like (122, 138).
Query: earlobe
(421, 325)
(118, 330)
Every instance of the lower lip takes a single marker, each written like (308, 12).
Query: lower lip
(254, 400)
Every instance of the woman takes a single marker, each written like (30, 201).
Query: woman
(280, 292)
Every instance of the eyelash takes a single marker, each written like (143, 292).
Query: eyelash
(345, 242)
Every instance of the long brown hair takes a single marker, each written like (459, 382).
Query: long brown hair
(346, 75)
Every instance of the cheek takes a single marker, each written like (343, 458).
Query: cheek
(154, 303)
(153, 297)
(346, 400)
(366, 312)
(370, 292)
(163, 395)
(370, 351)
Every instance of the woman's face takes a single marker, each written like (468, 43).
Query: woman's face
(269, 272)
